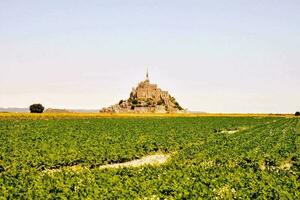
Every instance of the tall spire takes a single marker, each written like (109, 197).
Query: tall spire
(147, 75)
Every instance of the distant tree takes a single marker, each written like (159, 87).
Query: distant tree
(36, 108)
(297, 113)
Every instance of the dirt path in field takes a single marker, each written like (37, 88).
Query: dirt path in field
(156, 159)
(242, 128)
(147, 160)
(230, 132)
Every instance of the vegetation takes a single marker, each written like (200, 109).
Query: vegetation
(260, 160)
(178, 106)
(134, 101)
(36, 108)
(176, 103)
(297, 113)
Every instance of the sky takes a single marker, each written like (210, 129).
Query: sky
(220, 56)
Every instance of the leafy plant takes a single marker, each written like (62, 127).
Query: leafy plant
(60, 158)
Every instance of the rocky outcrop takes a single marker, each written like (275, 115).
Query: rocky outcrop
(146, 98)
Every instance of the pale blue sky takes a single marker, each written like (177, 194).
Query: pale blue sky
(214, 56)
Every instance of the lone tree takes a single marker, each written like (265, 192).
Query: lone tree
(297, 113)
(36, 108)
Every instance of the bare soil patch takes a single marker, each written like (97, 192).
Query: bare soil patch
(156, 159)
(230, 131)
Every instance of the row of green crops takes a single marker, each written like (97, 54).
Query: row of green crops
(261, 160)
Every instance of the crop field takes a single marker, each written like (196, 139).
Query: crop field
(205, 157)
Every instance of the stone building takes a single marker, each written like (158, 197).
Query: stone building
(146, 98)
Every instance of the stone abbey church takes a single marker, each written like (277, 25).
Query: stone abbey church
(146, 98)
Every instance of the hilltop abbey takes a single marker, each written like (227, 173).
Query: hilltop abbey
(146, 98)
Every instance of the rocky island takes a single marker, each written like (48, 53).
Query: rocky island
(146, 98)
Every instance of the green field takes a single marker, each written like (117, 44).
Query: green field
(210, 158)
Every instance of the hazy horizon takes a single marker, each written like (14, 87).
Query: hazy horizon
(212, 56)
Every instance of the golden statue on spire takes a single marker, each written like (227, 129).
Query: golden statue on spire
(147, 75)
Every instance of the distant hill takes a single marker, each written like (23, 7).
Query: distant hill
(56, 110)
(14, 110)
(26, 110)
(84, 110)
